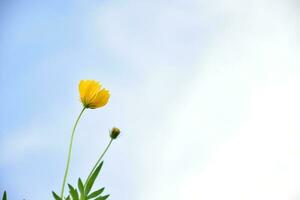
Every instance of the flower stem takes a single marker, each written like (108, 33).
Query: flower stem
(99, 160)
(69, 154)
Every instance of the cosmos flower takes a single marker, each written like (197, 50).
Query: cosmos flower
(92, 95)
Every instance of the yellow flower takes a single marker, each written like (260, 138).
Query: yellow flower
(92, 95)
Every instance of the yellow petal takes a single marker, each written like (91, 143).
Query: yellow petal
(91, 90)
(101, 99)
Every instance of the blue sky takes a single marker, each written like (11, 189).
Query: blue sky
(206, 95)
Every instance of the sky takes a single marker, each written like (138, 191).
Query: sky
(206, 94)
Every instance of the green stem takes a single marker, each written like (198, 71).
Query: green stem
(99, 160)
(69, 154)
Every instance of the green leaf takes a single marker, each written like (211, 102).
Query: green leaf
(81, 187)
(102, 198)
(96, 193)
(91, 181)
(73, 192)
(56, 197)
(4, 196)
(68, 198)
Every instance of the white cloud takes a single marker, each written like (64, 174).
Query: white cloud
(235, 134)
(262, 160)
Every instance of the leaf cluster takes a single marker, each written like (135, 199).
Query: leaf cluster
(84, 191)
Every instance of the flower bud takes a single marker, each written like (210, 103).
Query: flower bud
(114, 133)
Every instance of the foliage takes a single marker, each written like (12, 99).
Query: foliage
(4, 196)
(84, 191)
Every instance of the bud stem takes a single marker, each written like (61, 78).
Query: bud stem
(69, 154)
(99, 160)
